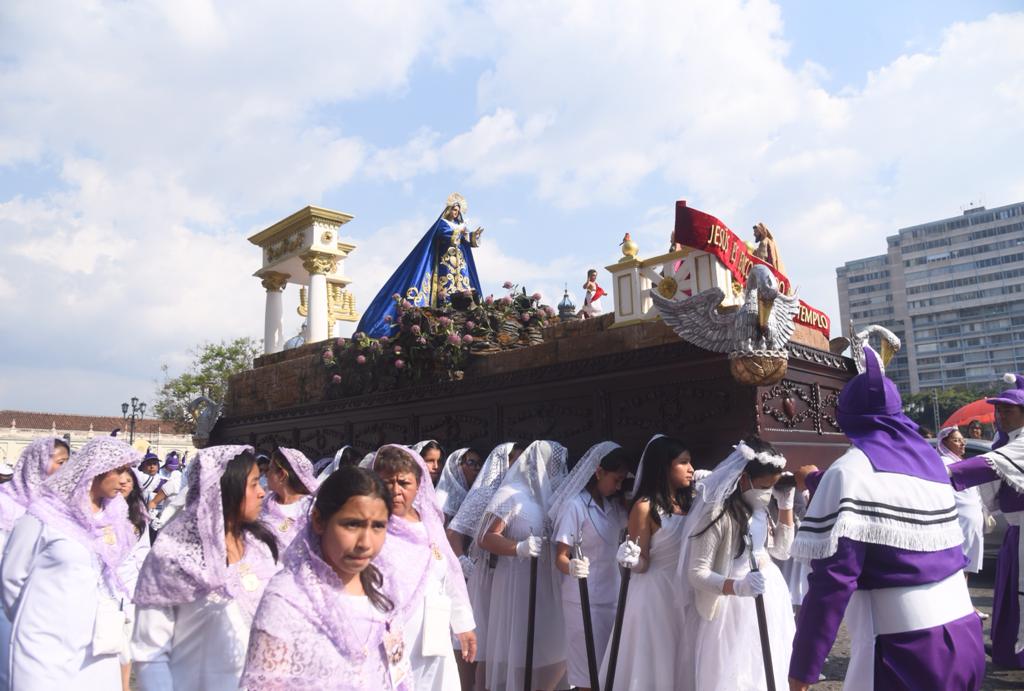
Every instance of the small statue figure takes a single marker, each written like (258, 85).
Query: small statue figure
(592, 301)
(766, 248)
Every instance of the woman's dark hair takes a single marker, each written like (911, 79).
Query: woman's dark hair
(519, 446)
(63, 442)
(654, 485)
(343, 484)
(136, 505)
(614, 461)
(430, 446)
(734, 504)
(294, 483)
(233, 486)
(391, 459)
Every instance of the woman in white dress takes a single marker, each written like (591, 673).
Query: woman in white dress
(128, 570)
(477, 564)
(292, 484)
(970, 508)
(516, 527)
(589, 516)
(38, 461)
(199, 587)
(431, 593)
(722, 646)
(328, 620)
(648, 657)
(59, 574)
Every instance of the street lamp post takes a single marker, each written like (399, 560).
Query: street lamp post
(138, 411)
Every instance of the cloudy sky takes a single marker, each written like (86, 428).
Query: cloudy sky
(141, 143)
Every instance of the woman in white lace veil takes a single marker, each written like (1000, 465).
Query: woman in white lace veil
(588, 514)
(516, 527)
(431, 453)
(721, 645)
(477, 564)
(459, 472)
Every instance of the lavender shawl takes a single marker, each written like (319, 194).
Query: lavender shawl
(307, 632)
(30, 472)
(189, 558)
(407, 553)
(282, 525)
(63, 504)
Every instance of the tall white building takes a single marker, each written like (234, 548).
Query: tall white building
(953, 290)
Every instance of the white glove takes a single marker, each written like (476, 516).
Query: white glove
(628, 554)
(156, 523)
(784, 497)
(467, 566)
(530, 547)
(579, 568)
(752, 584)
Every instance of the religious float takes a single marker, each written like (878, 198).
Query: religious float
(708, 342)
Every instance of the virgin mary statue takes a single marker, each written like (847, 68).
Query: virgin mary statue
(440, 265)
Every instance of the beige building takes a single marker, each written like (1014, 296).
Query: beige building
(19, 427)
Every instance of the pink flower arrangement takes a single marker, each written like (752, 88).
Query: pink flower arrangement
(467, 339)
(525, 316)
(470, 324)
(340, 343)
(505, 300)
(444, 321)
(336, 379)
(327, 355)
(507, 285)
(361, 359)
(399, 364)
(398, 350)
(454, 339)
(388, 318)
(535, 297)
(396, 296)
(416, 330)
(384, 340)
(421, 341)
(489, 300)
(406, 305)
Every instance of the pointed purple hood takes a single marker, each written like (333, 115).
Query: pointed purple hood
(870, 413)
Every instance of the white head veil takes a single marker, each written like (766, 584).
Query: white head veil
(579, 477)
(537, 474)
(367, 461)
(640, 469)
(451, 488)
(709, 499)
(333, 465)
(467, 519)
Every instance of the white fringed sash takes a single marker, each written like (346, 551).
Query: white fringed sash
(856, 502)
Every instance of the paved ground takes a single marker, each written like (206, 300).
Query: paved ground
(981, 593)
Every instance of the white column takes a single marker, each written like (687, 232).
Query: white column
(273, 316)
(318, 264)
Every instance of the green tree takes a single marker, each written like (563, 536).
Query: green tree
(920, 407)
(208, 374)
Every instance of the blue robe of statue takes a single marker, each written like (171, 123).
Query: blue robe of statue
(440, 264)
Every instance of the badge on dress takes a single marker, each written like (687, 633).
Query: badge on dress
(286, 525)
(108, 536)
(399, 666)
(435, 551)
(250, 581)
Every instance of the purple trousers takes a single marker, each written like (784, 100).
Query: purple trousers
(1005, 605)
(950, 656)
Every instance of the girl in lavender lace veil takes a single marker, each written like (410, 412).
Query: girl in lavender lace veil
(516, 527)
(292, 484)
(39, 460)
(328, 619)
(431, 594)
(59, 573)
(199, 587)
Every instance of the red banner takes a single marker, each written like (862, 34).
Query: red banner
(705, 232)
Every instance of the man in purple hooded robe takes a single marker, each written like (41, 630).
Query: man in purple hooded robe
(882, 536)
(1004, 464)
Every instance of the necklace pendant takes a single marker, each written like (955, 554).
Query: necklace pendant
(108, 536)
(437, 552)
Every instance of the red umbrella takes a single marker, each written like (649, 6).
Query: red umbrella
(978, 410)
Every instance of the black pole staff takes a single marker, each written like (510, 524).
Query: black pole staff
(762, 621)
(531, 623)
(620, 611)
(588, 624)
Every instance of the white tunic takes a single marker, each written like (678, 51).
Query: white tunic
(5, 633)
(198, 645)
(436, 673)
(598, 528)
(52, 586)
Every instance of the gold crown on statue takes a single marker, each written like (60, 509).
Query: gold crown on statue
(456, 198)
